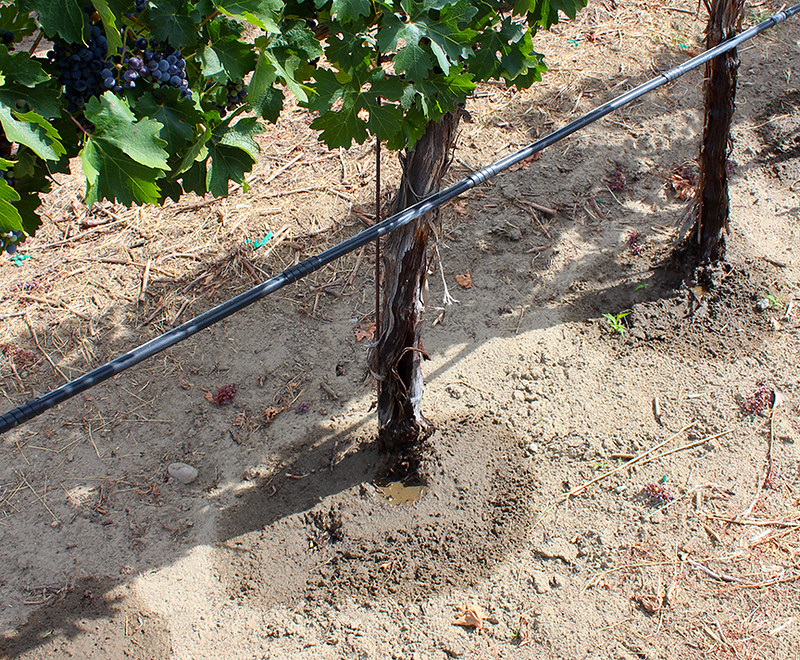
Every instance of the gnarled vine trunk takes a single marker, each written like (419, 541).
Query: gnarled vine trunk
(398, 354)
(713, 204)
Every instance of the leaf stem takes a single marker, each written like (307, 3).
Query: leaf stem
(207, 19)
(36, 41)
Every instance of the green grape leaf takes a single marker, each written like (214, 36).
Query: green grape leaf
(10, 219)
(286, 70)
(198, 151)
(340, 128)
(109, 24)
(386, 123)
(262, 95)
(327, 89)
(227, 163)
(241, 135)
(117, 126)
(20, 68)
(113, 175)
(230, 56)
(349, 11)
(174, 21)
(63, 18)
(261, 13)
(414, 61)
(269, 104)
(42, 99)
(194, 179)
(178, 117)
(32, 130)
(19, 23)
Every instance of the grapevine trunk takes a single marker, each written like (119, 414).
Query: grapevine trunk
(397, 357)
(713, 204)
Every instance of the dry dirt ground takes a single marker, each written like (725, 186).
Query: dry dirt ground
(284, 547)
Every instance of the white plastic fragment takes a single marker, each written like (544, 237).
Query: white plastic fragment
(183, 472)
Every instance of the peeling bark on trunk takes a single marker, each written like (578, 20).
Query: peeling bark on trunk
(713, 204)
(398, 355)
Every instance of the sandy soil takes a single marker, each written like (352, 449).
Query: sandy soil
(284, 547)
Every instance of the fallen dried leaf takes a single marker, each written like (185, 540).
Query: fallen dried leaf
(472, 616)
(272, 413)
(367, 332)
(525, 163)
(465, 280)
(683, 182)
(459, 207)
(209, 397)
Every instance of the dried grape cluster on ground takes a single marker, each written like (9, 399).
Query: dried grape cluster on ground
(536, 535)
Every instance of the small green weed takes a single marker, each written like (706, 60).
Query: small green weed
(774, 301)
(616, 322)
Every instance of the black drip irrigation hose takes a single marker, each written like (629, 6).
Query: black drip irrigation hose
(37, 406)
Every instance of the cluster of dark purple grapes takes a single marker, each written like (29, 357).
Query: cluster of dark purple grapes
(87, 71)
(140, 5)
(80, 68)
(9, 241)
(159, 63)
(236, 92)
(7, 37)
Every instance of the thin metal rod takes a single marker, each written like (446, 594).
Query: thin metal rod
(378, 240)
(37, 406)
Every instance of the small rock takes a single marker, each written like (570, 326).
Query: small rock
(558, 548)
(763, 304)
(541, 582)
(183, 472)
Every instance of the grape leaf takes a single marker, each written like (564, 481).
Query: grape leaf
(228, 55)
(116, 125)
(386, 122)
(340, 128)
(349, 11)
(261, 13)
(63, 18)
(198, 151)
(111, 174)
(32, 130)
(42, 99)
(227, 163)
(262, 95)
(286, 69)
(414, 61)
(20, 68)
(174, 21)
(19, 23)
(109, 24)
(10, 219)
(178, 118)
(241, 135)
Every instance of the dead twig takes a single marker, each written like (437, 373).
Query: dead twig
(625, 466)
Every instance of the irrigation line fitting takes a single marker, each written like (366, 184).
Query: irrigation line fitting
(37, 406)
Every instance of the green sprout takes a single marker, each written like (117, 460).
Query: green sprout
(616, 323)
(774, 302)
(639, 287)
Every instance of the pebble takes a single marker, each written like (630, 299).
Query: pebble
(183, 472)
